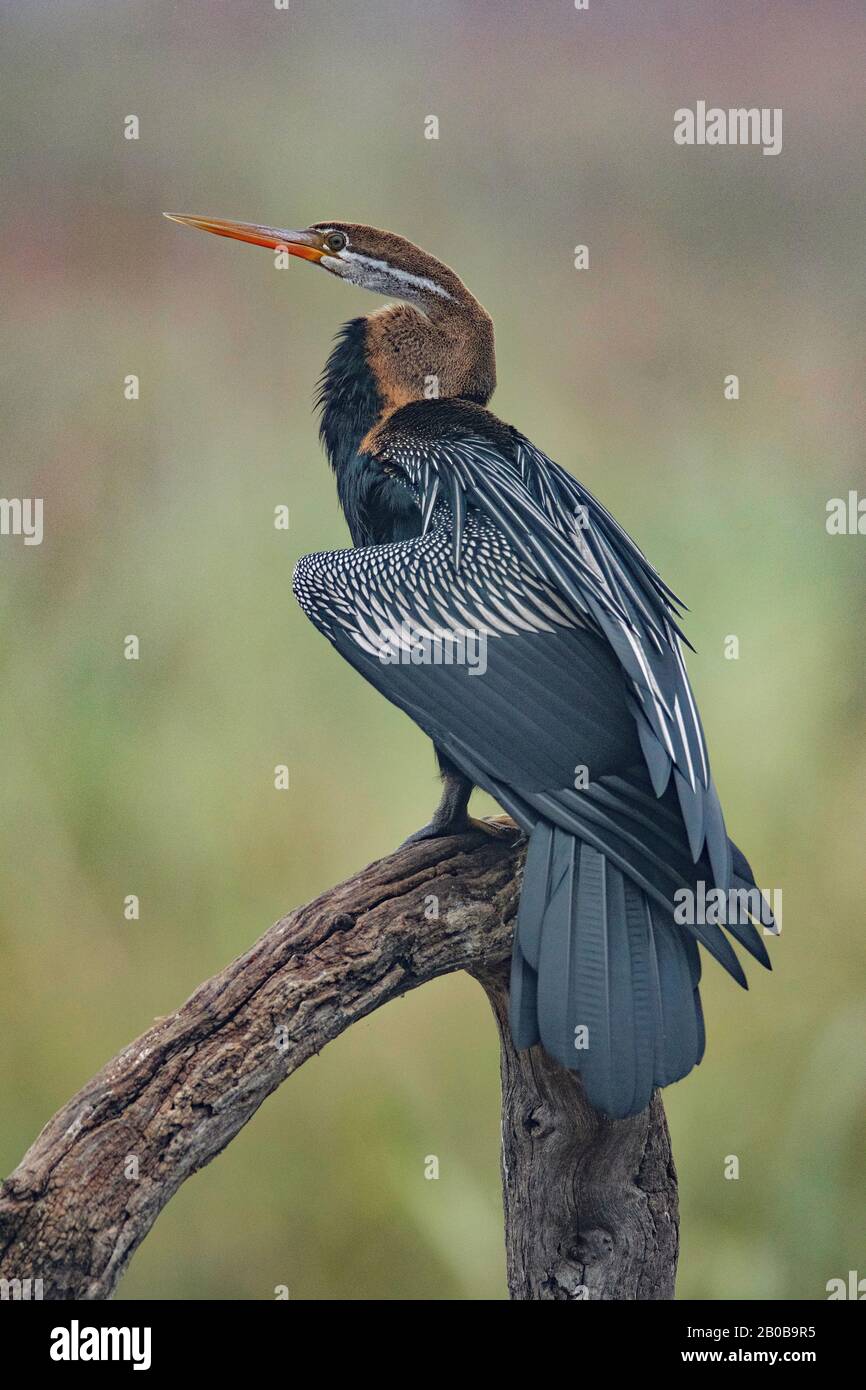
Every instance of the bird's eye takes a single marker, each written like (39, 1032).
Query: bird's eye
(335, 241)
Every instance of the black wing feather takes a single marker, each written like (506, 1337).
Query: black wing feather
(571, 542)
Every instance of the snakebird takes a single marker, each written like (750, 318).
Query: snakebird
(580, 720)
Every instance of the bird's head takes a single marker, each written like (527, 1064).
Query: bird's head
(437, 341)
(365, 256)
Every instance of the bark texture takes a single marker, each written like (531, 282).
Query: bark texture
(590, 1205)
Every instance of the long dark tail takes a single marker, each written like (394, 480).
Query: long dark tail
(603, 976)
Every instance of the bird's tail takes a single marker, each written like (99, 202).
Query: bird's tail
(602, 974)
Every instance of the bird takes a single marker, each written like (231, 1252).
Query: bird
(580, 720)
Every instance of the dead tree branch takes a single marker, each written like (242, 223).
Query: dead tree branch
(590, 1205)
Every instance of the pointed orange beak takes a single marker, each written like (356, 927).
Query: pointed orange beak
(309, 245)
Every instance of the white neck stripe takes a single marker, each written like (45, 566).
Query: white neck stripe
(420, 282)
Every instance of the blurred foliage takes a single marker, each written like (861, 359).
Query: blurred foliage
(155, 777)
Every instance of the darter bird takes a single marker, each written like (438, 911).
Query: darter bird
(580, 721)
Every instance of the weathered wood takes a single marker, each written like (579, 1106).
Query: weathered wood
(88, 1190)
(590, 1203)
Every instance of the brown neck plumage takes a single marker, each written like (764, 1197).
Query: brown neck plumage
(442, 349)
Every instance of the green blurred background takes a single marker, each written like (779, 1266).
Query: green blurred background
(155, 777)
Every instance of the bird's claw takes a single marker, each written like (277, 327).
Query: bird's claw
(433, 832)
(496, 827)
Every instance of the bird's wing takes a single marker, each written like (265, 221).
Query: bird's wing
(517, 690)
(569, 541)
(579, 671)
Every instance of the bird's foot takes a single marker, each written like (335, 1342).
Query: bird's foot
(436, 830)
(497, 827)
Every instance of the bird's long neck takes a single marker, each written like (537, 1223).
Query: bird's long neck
(351, 404)
(379, 364)
(441, 348)
(349, 398)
